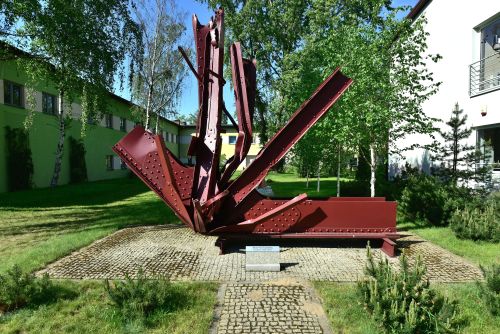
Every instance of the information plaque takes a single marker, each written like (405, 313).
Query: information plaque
(262, 258)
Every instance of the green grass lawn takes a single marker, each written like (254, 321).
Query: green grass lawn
(39, 226)
(478, 252)
(88, 310)
(346, 315)
(289, 185)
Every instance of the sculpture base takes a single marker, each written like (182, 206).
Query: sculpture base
(388, 245)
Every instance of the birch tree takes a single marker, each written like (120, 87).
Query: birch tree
(384, 55)
(158, 81)
(78, 45)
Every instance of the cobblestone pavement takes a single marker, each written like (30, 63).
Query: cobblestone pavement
(177, 253)
(282, 306)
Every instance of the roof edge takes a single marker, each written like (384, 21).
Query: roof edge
(418, 9)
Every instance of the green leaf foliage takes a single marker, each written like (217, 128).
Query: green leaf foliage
(77, 164)
(18, 289)
(478, 220)
(403, 301)
(138, 299)
(19, 161)
(490, 288)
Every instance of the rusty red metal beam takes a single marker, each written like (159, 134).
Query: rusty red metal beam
(210, 59)
(207, 201)
(306, 116)
(244, 83)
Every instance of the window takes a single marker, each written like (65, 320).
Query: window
(175, 138)
(109, 162)
(172, 138)
(48, 104)
(90, 120)
(489, 145)
(485, 73)
(123, 165)
(13, 94)
(109, 121)
(232, 140)
(123, 124)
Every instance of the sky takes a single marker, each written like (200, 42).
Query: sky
(189, 101)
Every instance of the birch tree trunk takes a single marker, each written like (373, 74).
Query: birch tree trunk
(307, 179)
(338, 172)
(157, 123)
(373, 168)
(60, 143)
(319, 169)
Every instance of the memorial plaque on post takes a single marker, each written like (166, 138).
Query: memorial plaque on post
(262, 258)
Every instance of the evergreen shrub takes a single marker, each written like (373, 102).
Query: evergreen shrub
(403, 302)
(478, 221)
(490, 288)
(19, 161)
(18, 289)
(425, 197)
(139, 298)
(77, 165)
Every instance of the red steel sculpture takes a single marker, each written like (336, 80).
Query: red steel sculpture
(206, 199)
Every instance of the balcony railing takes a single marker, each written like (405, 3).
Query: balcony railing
(484, 75)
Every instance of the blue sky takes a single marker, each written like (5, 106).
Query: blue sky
(189, 100)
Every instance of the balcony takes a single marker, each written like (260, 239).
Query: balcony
(484, 75)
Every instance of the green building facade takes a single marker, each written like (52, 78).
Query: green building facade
(100, 160)
(17, 101)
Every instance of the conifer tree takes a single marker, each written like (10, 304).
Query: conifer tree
(457, 157)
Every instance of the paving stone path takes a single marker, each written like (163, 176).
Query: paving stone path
(249, 302)
(179, 254)
(280, 306)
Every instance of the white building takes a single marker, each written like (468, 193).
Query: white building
(467, 36)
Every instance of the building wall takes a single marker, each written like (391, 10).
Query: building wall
(227, 148)
(451, 34)
(98, 139)
(43, 134)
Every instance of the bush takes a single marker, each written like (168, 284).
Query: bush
(490, 289)
(19, 161)
(77, 165)
(403, 302)
(477, 221)
(424, 197)
(140, 298)
(18, 289)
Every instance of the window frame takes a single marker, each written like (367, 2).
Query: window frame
(54, 103)
(109, 163)
(8, 86)
(123, 124)
(108, 121)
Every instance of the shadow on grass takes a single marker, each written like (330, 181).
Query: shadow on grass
(89, 193)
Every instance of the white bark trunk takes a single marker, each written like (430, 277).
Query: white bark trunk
(319, 169)
(157, 123)
(338, 173)
(307, 179)
(60, 143)
(373, 168)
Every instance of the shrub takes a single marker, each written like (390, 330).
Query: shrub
(19, 161)
(77, 165)
(477, 221)
(18, 289)
(403, 302)
(490, 289)
(137, 299)
(424, 197)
